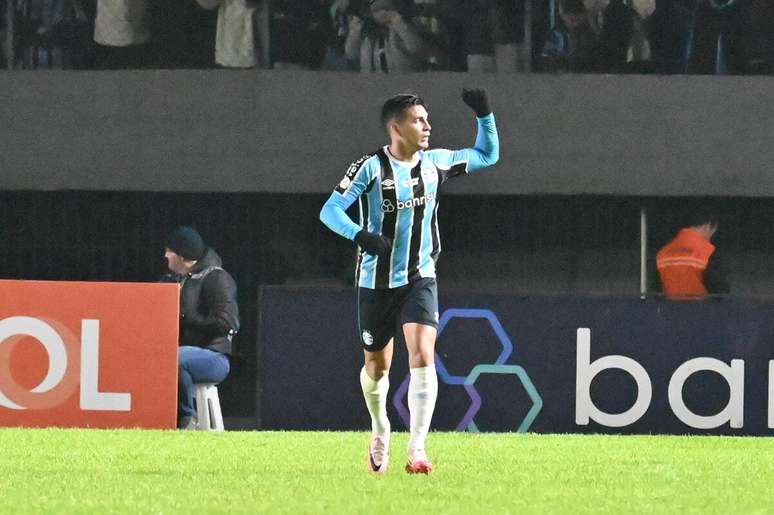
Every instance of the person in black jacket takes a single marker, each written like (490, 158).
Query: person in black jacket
(209, 316)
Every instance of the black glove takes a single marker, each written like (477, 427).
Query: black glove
(477, 100)
(374, 244)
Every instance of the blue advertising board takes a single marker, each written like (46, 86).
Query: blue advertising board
(548, 364)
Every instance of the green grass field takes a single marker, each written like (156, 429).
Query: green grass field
(90, 471)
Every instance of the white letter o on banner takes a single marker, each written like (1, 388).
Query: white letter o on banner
(51, 340)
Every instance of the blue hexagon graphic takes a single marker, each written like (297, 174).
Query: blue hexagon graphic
(526, 382)
(498, 367)
(489, 316)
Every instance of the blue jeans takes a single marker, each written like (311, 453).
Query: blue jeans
(197, 365)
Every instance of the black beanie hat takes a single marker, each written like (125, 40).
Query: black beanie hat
(186, 242)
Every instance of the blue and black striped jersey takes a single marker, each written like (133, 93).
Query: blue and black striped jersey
(401, 202)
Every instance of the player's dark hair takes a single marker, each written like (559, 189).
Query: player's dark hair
(396, 106)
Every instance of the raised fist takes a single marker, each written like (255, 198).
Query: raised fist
(477, 100)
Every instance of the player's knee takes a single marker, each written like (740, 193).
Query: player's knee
(422, 356)
(376, 370)
(380, 373)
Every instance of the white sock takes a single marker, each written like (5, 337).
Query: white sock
(375, 395)
(422, 393)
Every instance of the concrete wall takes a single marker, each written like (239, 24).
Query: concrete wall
(220, 130)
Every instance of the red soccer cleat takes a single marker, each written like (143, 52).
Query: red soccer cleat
(418, 463)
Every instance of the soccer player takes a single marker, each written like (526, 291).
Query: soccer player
(397, 188)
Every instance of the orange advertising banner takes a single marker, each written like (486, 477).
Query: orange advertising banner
(88, 354)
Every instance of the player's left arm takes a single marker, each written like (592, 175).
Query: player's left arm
(486, 150)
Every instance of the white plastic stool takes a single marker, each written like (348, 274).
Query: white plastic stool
(208, 407)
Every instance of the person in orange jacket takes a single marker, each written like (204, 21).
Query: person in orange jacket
(688, 265)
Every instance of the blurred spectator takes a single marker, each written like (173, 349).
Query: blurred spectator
(384, 38)
(429, 16)
(331, 54)
(489, 34)
(236, 44)
(335, 57)
(571, 45)
(122, 34)
(758, 36)
(688, 265)
(623, 31)
(608, 36)
(716, 40)
(182, 33)
(615, 33)
(542, 25)
(73, 34)
(479, 45)
(494, 35)
(5, 34)
(300, 32)
(639, 45)
(508, 34)
(50, 34)
(670, 35)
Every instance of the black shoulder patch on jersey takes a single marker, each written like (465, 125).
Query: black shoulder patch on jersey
(351, 172)
(455, 171)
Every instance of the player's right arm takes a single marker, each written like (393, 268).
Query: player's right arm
(333, 214)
